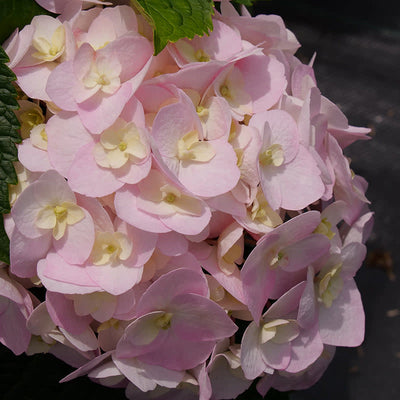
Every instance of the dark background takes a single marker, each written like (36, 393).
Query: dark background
(358, 67)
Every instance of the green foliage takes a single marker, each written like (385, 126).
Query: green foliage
(17, 13)
(174, 19)
(9, 126)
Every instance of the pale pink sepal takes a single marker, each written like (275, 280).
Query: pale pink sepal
(343, 324)
(59, 276)
(115, 279)
(96, 181)
(62, 312)
(190, 309)
(178, 354)
(84, 369)
(172, 244)
(306, 348)
(13, 332)
(232, 283)
(58, 91)
(32, 80)
(84, 341)
(62, 148)
(146, 376)
(264, 80)
(75, 246)
(251, 358)
(26, 252)
(50, 189)
(125, 206)
(33, 158)
(168, 286)
(15, 307)
(226, 381)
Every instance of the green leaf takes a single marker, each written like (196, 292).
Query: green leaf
(17, 14)
(175, 19)
(9, 126)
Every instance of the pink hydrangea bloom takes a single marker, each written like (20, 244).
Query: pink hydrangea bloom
(15, 308)
(165, 201)
(177, 325)
(48, 209)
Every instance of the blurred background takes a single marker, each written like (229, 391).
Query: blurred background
(358, 67)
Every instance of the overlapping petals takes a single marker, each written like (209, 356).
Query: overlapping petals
(190, 217)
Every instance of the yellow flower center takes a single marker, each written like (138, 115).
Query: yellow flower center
(272, 156)
(191, 148)
(60, 212)
(164, 321)
(170, 198)
(201, 56)
(224, 90)
(325, 228)
(329, 285)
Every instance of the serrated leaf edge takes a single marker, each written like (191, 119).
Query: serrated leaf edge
(4, 255)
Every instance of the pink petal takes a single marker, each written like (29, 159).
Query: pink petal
(114, 279)
(13, 331)
(305, 251)
(278, 127)
(144, 243)
(60, 86)
(258, 279)
(307, 313)
(178, 354)
(126, 209)
(25, 253)
(76, 244)
(250, 356)
(227, 203)
(299, 182)
(100, 111)
(226, 381)
(33, 158)
(84, 369)
(218, 176)
(100, 217)
(232, 283)
(172, 244)
(264, 80)
(343, 323)
(142, 336)
(133, 53)
(147, 376)
(170, 285)
(134, 173)
(196, 318)
(133, 111)
(57, 275)
(32, 80)
(96, 181)
(188, 224)
(62, 148)
(306, 348)
(275, 355)
(63, 314)
(287, 303)
(49, 189)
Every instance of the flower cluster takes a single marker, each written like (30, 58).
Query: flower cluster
(145, 180)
